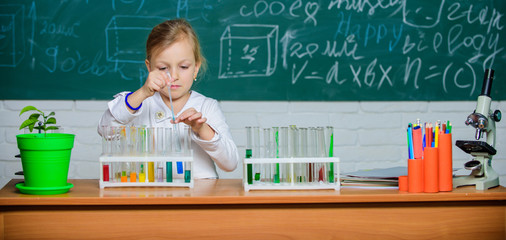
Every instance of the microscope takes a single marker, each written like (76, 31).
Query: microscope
(483, 119)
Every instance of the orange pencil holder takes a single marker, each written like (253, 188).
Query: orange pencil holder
(415, 175)
(431, 169)
(445, 163)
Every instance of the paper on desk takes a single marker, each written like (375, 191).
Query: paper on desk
(378, 174)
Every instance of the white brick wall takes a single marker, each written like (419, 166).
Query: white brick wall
(368, 134)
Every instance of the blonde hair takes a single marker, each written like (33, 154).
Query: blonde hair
(170, 31)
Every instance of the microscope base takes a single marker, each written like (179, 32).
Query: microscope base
(481, 183)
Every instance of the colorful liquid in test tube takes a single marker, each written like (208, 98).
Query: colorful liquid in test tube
(124, 177)
(168, 169)
(142, 174)
(249, 153)
(105, 170)
(276, 150)
(329, 135)
(151, 171)
(159, 172)
(187, 176)
(133, 172)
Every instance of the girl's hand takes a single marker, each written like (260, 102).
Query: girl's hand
(156, 81)
(198, 123)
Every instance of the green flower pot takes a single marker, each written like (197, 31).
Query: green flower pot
(45, 158)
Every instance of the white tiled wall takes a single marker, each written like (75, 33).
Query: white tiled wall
(367, 134)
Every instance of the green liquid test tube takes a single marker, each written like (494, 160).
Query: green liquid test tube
(276, 175)
(331, 154)
(169, 171)
(276, 139)
(250, 167)
(257, 176)
(187, 176)
(331, 173)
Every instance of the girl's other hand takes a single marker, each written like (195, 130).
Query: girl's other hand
(198, 123)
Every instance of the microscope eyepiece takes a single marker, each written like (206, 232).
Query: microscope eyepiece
(487, 82)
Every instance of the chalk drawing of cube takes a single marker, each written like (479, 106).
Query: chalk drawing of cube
(12, 42)
(126, 37)
(248, 50)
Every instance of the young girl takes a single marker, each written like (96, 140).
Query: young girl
(173, 59)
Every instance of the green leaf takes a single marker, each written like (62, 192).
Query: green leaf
(51, 114)
(51, 120)
(35, 116)
(52, 128)
(28, 122)
(28, 108)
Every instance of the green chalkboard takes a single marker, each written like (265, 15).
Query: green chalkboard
(302, 50)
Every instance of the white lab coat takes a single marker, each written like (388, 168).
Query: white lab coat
(221, 150)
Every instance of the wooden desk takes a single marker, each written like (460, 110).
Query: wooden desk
(220, 209)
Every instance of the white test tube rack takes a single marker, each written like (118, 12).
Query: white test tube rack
(292, 184)
(178, 180)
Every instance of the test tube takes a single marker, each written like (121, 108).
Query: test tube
(122, 141)
(293, 138)
(329, 143)
(106, 140)
(124, 172)
(187, 152)
(178, 148)
(311, 152)
(256, 153)
(283, 153)
(141, 141)
(151, 136)
(275, 131)
(132, 140)
(168, 150)
(133, 171)
(301, 174)
(105, 172)
(249, 154)
(116, 170)
(268, 153)
(159, 172)
(322, 168)
(142, 172)
(187, 172)
(148, 151)
(151, 171)
(116, 140)
(186, 140)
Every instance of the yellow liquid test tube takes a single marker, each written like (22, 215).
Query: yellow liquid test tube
(142, 175)
(151, 171)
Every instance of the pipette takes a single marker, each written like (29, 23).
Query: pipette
(170, 99)
(179, 165)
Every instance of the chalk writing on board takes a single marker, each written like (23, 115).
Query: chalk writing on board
(358, 38)
(12, 48)
(301, 49)
(119, 33)
(253, 45)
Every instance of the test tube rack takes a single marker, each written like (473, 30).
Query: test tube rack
(176, 180)
(288, 166)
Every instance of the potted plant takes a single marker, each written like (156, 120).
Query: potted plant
(45, 156)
